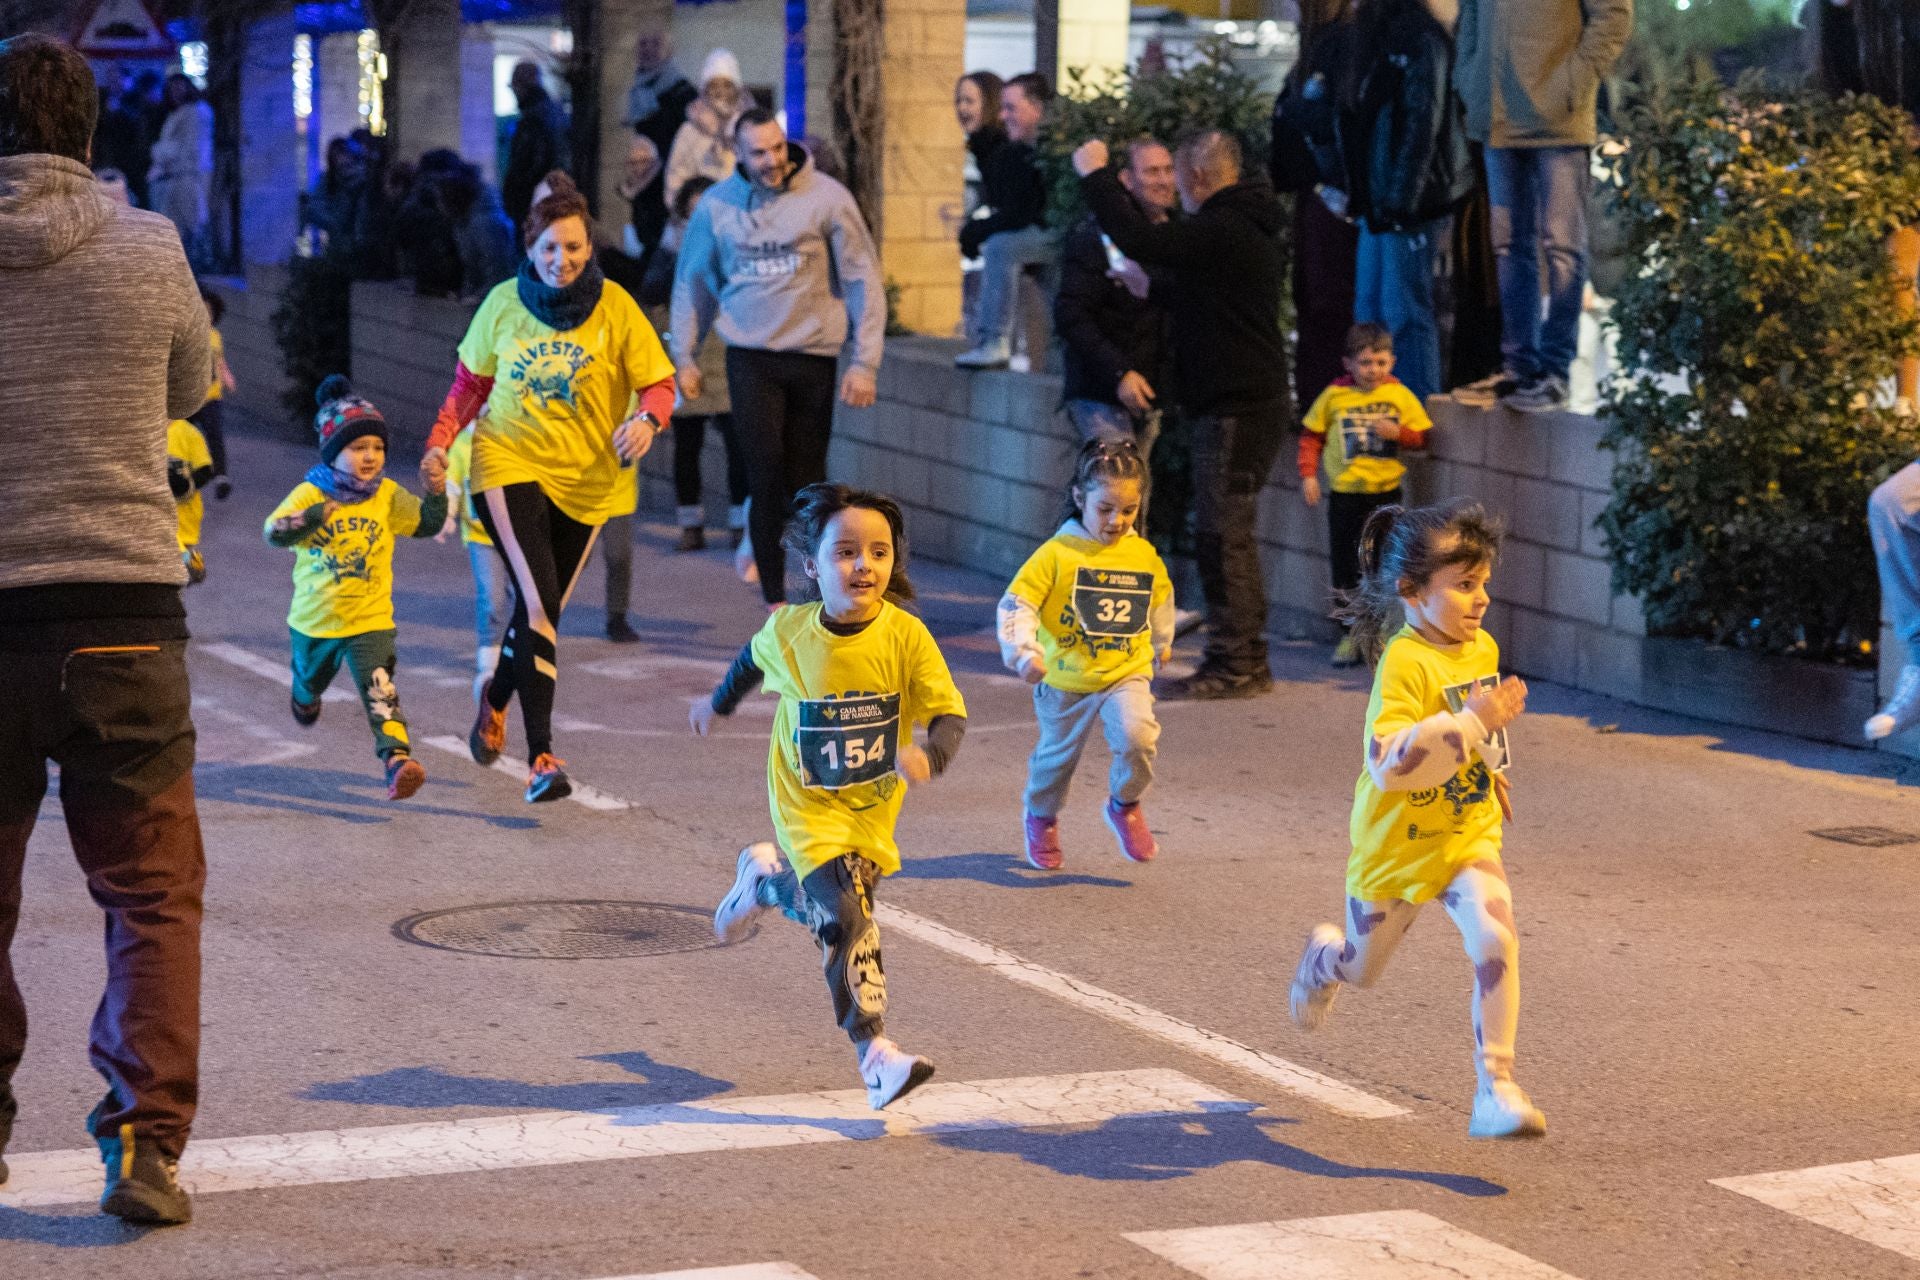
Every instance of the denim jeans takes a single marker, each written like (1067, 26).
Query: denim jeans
(491, 608)
(1232, 458)
(1539, 198)
(1893, 520)
(1005, 256)
(1099, 420)
(1393, 287)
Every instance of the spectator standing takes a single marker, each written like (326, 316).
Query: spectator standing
(1529, 72)
(121, 141)
(779, 262)
(91, 621)
(657, 104)
(703, 147)
(182, 162)
(1013, 236)
(1408, 167)
(1223, 295)
(538, 145)
(329, 206)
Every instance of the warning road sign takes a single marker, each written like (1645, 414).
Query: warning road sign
(123, 29)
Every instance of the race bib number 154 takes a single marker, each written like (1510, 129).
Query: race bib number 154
(844, 742)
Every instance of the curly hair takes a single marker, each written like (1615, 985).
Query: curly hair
(815, 506)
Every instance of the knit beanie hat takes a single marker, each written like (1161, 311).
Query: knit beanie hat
(344, 417)
(720, 64)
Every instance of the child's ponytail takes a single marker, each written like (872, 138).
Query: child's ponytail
(1401, 548)
(1369, 609)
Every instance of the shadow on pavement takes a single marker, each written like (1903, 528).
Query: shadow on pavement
(425, 1087)
(330, 793)
(1165, 1147)
(1001, 870)
(68, 1230)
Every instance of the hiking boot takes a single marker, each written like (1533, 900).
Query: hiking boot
(1346, 653)
(488, 737)
(142, 1184)
(692, 538)
(1309, 1001)
(1501, 1109)
(1483, 394)
(1544, 394)
(304, 713)
(547, 779)
(404, 775)
(1043, 843)
(758, 864)
(1902, 709)
(1215, 684)
(988, 355)
(1128, 822)
(620, 631)
(890, 1072)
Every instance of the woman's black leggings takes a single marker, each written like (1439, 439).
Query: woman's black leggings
(544, 549)
(783, 410)
(689, 438)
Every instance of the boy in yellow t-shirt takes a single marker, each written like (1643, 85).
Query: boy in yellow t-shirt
(341, 522)
(189, 468)
(1359, 425)
(211, 419)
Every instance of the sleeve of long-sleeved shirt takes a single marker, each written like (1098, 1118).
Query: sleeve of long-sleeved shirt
(190, 355)
(1160, 616)
(696, 288)
(1019, 630)
(1408, 751)
(1604, 34)
(1414, 422)
(943, 741)
(1176, 243)
(742, 678)
(1083, 288)
(858, 270)
(462, 405)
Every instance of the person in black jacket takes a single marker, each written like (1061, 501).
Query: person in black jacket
(1223, 292)
(538, 146)
(1403, 136)
(1013, 236)
(657, 106)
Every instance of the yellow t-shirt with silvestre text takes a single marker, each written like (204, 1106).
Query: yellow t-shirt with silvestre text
(1411, 844)
(1096, 606)
(343, 572)
(460, 476)
(185, 442)
(1358, 459)
(557, 398)
(847, 704)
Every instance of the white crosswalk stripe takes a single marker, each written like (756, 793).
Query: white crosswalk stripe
(1873, 1200)
(752, 1271)
(1397, 1244)
(529, 1140)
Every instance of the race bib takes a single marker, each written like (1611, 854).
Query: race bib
(844, 742)
(1495, 750)
(1360, 437)
(1112, 602)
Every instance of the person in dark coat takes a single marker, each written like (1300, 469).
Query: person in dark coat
(538, 145)
(657, 105)
(1013, 236)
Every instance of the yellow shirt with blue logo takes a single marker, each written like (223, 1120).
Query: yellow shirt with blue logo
(847, 705)
(557, 398)
(1097, 607)
(459, 474)
(1411, 844)
(1358, 458)
(343, 571)
(185, 442)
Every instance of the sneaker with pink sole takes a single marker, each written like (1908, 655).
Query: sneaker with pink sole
(1043, 843)
(1128, 822)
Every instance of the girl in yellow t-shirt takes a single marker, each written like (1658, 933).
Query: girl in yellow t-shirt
(1084, 622)
(1432, 793)
(855, 673)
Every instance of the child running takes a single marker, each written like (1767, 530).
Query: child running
(212, 416)
(491, 607)
(189, 470)
(341, 522)
(1428, 806)
(1084, 622)
(855, 672)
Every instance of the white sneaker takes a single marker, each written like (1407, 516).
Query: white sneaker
(988, 355)
(744, 563)
(1502, 1109)
(1187, 620)
(1902, 709)
(1308, 1001)
(891, 1073)
(758, 864)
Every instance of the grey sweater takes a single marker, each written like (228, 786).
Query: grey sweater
(105, 341)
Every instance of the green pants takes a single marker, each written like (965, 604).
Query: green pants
(370, 658)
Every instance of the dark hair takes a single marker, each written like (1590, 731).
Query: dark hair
(1401, 548)
(753, 118)
(1035, 86)
(1214, 154)
(1104, 460)
(1367, 336)
(689, 195)
(216, 305)
(48, 100)
(989, 86)
(817, 504)
(1133, 147)
(560, 204)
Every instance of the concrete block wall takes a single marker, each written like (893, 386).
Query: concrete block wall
(252, 352)
(404, 351)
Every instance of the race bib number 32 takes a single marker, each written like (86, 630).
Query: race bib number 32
(844, 742)
(1112, 602)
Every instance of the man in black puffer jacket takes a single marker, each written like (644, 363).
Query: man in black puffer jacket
(1223, 293)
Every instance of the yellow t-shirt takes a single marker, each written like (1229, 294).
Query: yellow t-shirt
(1096, 604)
(185, 442)
(1357, 459)
(459, 472)
(343, 572)
(214, 389)
(847, 703)
(557, 398)
(1410, 844)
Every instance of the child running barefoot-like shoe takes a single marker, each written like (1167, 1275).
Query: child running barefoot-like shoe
(1432, 795)
(855, 673)
(341, 522)
(1085, 621)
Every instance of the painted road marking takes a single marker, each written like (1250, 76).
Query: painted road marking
(1394, 1245)
(547, 1138)
(266, 668)
(582, 794)
(1873, 1200)
(752, 1271)
(1294, 1078)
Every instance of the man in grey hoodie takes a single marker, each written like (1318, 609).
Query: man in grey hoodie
(778, 260)
(106, 341)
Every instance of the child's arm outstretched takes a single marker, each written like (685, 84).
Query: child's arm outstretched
(1426, 753)
(742, 678)
(433, 511)
(293, 529)
(1019, 632)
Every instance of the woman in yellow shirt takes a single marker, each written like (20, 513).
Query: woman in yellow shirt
(558, 356)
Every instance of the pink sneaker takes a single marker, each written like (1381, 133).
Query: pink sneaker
(1043, 843)
(1129, 825)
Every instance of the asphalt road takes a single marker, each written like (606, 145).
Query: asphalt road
(1712, 992)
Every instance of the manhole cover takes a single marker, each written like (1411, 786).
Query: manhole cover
(1868, 837)
(562, 930)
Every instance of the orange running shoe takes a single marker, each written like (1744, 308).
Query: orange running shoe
(547, 780)
(404, 776)
(488, 737)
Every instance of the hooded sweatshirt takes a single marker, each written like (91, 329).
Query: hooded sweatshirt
(106, 342)
(790, 268)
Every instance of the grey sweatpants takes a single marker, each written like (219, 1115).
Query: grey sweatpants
(1124, 710)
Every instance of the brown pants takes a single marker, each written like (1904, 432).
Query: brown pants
(115, 719)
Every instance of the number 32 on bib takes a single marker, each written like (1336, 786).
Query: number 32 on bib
(1112, 602)
(844, 742)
